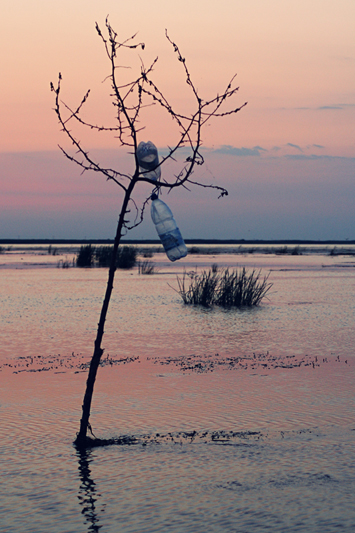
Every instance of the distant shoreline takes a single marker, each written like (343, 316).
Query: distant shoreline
(285, 242)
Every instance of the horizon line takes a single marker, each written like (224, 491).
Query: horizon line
(187, 241)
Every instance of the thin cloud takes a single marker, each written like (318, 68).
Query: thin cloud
(313, 157)
(295, 146)
(331, 107)
(260, 148)
(226, 149)
(315, 146)
(335, 107)
(345, 58)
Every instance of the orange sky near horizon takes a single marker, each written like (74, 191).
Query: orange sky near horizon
(295, 62)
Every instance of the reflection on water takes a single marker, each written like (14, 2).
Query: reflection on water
(309, 311)
(87, 492)
(292, 481)
(289, 467)
(274, 384)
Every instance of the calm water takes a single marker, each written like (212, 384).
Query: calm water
(280, 377)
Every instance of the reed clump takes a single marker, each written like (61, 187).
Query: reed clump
(100, 256)
(148, 253)
(85, 256)
(65, 263)
(146, 267)
(224, 288)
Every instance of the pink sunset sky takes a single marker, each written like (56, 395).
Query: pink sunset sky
(287, 159)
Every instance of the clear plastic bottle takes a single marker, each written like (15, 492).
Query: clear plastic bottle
(167, 229)
(148, 160)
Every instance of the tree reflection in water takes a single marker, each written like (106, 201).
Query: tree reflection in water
(88, 494)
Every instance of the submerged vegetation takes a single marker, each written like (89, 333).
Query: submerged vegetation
(224, 288)
(89, 256)
(287, 251)
(65, 263)
(146, 267)
(85, 256)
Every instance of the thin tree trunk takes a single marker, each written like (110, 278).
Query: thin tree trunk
(81, 438)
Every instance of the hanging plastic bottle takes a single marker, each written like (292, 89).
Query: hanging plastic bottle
(167, 229)
(148, 160)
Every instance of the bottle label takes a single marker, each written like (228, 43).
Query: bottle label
(172, 239)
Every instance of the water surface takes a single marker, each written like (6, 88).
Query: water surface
(279, 377)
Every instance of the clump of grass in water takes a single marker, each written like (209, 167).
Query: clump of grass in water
(89, 256)
(225, 288)
(65, 263)
(201, 290)
(85, 256)
(146, 267)
(241, 289)
(194, 250)
(148, 253)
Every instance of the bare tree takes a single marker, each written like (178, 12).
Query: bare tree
(129, 99)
